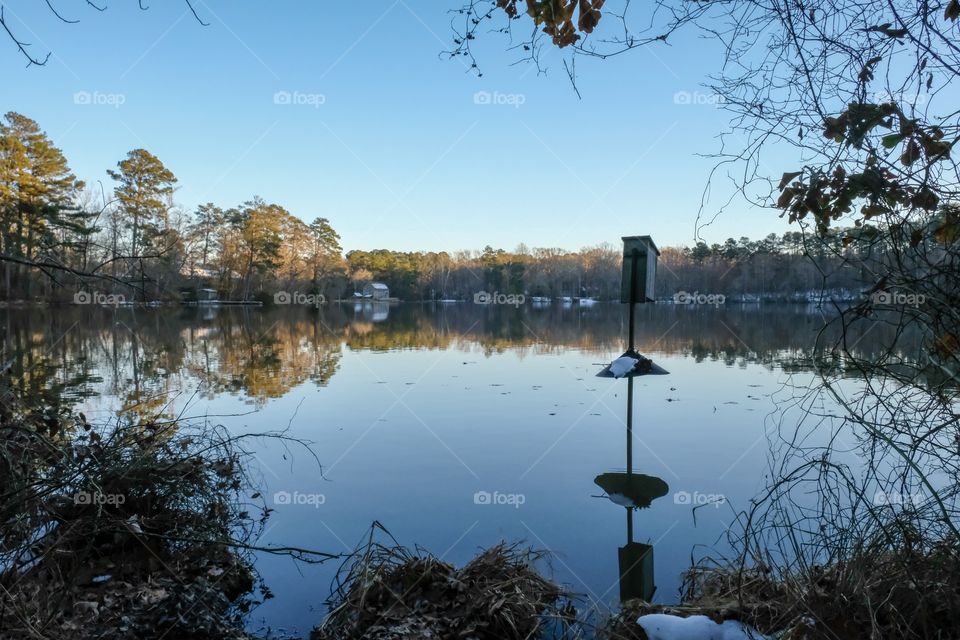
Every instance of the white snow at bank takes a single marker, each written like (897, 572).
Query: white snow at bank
(660, 626)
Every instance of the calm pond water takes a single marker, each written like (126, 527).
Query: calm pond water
(456, 426)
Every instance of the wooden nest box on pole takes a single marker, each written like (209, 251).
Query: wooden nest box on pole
(640, 253)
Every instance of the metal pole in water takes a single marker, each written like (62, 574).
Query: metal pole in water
(633, 300)
(634, 257)
(629, 426)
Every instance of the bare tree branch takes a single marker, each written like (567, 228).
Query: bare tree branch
(33, 60)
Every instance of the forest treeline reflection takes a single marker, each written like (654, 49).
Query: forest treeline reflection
(142, 356)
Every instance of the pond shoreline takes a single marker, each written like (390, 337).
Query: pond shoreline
(63, 361)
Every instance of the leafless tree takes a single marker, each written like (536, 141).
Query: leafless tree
(23, 47)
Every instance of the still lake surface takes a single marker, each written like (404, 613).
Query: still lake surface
(454, 425)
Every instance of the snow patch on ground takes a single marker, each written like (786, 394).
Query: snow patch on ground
(660, 626)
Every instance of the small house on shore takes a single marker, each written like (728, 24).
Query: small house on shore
(376, 290)
(207, 296)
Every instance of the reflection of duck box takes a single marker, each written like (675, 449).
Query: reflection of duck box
(632, 489)
(636, 571)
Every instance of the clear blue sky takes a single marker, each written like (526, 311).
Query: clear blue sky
(399, 154)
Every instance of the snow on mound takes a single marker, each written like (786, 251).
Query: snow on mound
(622, 366)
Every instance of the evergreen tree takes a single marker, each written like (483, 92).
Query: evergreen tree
(39, 217)
(143, 194)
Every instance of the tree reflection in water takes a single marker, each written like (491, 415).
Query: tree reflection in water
(147, 356)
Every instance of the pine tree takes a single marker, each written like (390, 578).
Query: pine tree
(143, 193)
(39, 217)
(325, 250)
(206, 232)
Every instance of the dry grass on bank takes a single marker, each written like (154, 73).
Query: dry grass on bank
(126, 530)
(875, 595)
(385, 591)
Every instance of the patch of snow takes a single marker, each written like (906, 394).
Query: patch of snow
(661, 626)
(622, 366)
